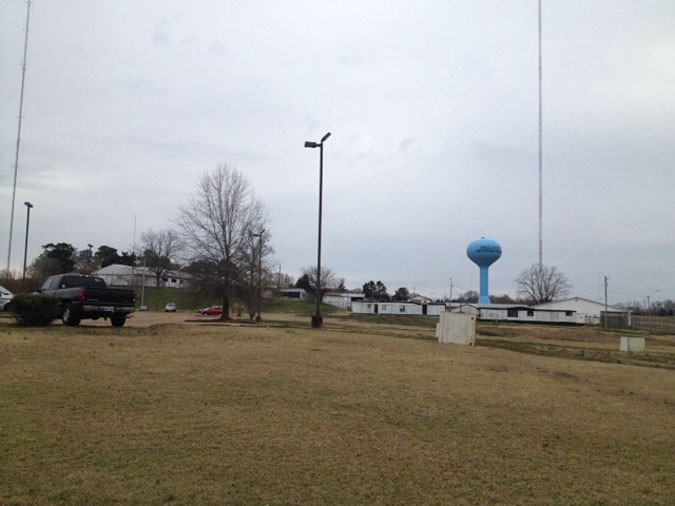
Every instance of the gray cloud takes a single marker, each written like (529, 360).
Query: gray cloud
(433, 109)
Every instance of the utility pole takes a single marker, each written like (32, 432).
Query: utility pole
(143, 284)
(18, 138)
(450, 293)
(606, 279)
(259, 235)
(260, 252)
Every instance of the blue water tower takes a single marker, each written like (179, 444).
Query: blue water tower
(484, 252)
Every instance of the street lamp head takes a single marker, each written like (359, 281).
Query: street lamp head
(28, 204)
(310, 144)
(325, 137)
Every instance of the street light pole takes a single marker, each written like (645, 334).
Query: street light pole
(317, 319)
(29, 206)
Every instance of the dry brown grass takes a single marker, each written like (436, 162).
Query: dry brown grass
(356, 414)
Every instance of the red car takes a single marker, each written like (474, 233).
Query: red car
(212, 311)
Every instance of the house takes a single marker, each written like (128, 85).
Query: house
(127, 275)
(588, 311)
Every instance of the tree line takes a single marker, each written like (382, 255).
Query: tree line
(221, 237)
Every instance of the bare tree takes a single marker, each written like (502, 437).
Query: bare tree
(216, 222)
(541, 283)
(159, 250)
(328, 279)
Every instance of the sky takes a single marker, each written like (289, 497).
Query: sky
(433, 110)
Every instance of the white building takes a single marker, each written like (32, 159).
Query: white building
(293, 293)
(126, 275)
(342, 300)
(587, 311)
(396, 308)
(485, 312)
(419, 299)
(525, 314)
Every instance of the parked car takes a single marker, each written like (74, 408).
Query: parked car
(143, 308)
(170, 308)
(88, 297)
(5, 298)
(212, 311)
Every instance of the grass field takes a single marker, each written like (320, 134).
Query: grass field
(363, 412)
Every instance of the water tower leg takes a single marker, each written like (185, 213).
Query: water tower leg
(484, 294)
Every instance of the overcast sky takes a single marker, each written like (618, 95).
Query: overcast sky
(432, 107)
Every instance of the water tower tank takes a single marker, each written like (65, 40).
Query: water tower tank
(484, 252)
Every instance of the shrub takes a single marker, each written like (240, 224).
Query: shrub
(35, 310)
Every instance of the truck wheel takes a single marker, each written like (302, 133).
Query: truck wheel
(70, 316)
(118, 319)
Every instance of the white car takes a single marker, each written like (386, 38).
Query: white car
(5, 297)
(170, 308)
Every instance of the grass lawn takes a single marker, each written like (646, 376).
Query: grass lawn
(359, 413)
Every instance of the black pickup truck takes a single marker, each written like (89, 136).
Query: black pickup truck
(85, 297)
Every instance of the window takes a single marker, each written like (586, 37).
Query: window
(384, 307)
(46, 285)
(173, 280)
(367, 306)
(512, 313)
(569, 313)
(72, 281)
(530, 312)
(401, 308)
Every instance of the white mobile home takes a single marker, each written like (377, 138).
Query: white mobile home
(525, 314)
(396, 308)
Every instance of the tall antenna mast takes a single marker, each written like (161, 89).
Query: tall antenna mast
(18, 137)
(541, 242)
